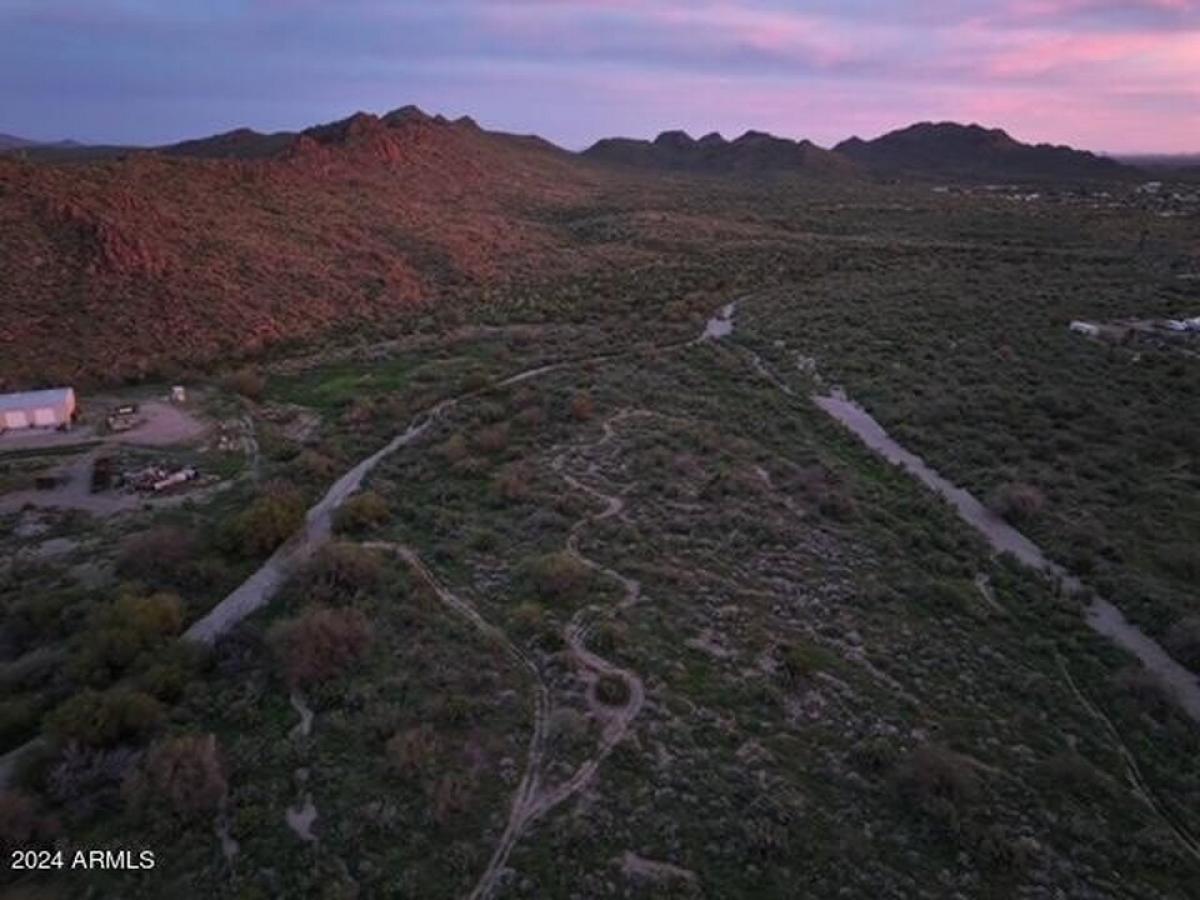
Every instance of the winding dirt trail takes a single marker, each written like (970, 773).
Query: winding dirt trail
(526, 796)
(532, 799)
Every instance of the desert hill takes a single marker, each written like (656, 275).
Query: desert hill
(116, 267)
(948, 148)
(752, 153)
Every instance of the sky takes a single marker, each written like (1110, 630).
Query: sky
(1107, 75)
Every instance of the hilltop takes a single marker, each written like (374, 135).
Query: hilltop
(948, 148)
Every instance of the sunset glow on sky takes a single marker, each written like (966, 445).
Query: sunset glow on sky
(1115, 75)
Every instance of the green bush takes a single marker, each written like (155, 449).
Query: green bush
(122, 632)
(556, 576)
(96, 719)
(361, 513)
(271, 519)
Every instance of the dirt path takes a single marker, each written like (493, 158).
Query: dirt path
(1133, 772)
(525, 799)
(532, 800)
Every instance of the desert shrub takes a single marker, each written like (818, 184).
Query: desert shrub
(527, 617)
(171, 669)
(1016, 501)
(567, 727)
(271, 519)
(1183, 640)
(319, 644)
(874, 755)
(413, 752)
(451, 797)
(511, 484)
(612, 690)
(556, 576)
(185, 773)
(606, 637)
(582, 408)
(530, 417)
(938, 782)
(19, 718)
(339, 572)
(22, 821)
(156, 616)
(360, 513)
(1144, 692)
(157, 555)
(455, 708)
(315, 466)
(1070, 772)
(89, 778)
(1181, 560)
(123, 631)
(799, 662)
(492, 439)
(95, 719)
(766, 838)
(247, 382)
(454, 449)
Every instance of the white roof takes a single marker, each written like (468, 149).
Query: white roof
(30, 399)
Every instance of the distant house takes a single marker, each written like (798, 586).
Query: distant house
(53, 408)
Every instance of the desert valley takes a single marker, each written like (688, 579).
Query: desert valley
(437, 512)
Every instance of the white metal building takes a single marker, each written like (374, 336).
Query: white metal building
(52, 408)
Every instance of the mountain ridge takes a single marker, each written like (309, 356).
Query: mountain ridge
(950, 148)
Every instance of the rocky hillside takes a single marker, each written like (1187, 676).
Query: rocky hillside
(948, 148)
(754, 152)
(117, 268)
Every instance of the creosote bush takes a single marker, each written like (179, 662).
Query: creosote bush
(319, 644)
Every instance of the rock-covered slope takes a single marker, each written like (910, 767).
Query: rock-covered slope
(118, 267)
